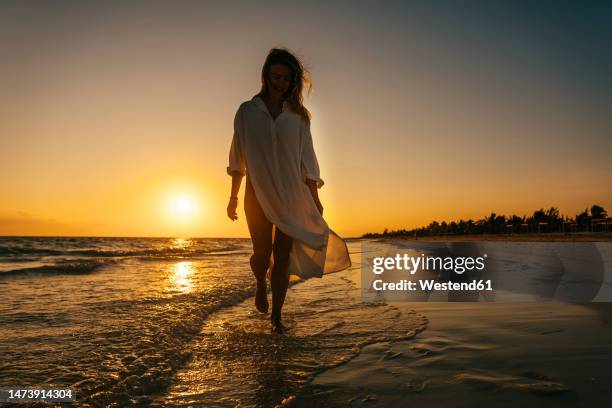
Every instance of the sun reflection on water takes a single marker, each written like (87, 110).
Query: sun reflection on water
(181, 243)
(181, 276)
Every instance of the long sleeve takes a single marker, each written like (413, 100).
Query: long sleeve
(236, 154)
(309, 164)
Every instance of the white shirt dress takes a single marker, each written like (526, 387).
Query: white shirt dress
(278, 156)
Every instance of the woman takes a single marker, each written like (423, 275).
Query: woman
(272, 146)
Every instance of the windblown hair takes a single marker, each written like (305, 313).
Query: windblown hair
(301, 79)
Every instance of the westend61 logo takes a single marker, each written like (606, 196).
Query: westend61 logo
(412, 264)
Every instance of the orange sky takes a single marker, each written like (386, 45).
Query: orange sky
(115, 113)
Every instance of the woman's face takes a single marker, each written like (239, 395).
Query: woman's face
(279, 80)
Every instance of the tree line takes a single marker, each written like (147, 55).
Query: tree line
(542, 221)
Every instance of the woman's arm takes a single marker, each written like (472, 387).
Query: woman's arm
(236, 168)
(233, 201)
(312, 186)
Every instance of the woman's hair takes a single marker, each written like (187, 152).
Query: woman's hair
(301, 78)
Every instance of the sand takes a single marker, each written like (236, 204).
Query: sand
(481, 354)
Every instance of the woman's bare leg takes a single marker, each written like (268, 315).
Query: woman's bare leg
(261, 236)
(279, 276)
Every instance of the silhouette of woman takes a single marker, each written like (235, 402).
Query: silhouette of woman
(272, 146)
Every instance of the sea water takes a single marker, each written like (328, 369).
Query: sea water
(159, 321)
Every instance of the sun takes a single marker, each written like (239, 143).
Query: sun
(183, 205)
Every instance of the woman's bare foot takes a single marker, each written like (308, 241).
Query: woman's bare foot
(261, 298)
(277, 325)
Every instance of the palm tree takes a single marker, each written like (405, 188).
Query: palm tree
(598, 212)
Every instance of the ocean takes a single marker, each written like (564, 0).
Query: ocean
(160, 321)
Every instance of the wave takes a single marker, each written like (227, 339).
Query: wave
(16, 251)
(154, 345)
(235, 347)
(172, 258)
(155, 253)
(73, 267)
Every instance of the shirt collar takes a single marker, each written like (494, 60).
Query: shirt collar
(262, 105)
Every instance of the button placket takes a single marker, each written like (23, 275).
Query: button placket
(275, 155)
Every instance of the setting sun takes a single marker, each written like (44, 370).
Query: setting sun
(183, 205)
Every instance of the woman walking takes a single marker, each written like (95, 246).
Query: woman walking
(272, 146)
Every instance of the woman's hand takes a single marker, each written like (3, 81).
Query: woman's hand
(231, 209)
(233, 202)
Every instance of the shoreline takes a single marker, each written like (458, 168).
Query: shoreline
(556, 237)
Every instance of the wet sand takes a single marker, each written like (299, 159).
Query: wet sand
(482, 354)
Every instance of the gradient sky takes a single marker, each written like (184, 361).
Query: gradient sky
(112, 112)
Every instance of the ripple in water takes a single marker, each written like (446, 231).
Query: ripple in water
(237, 362)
